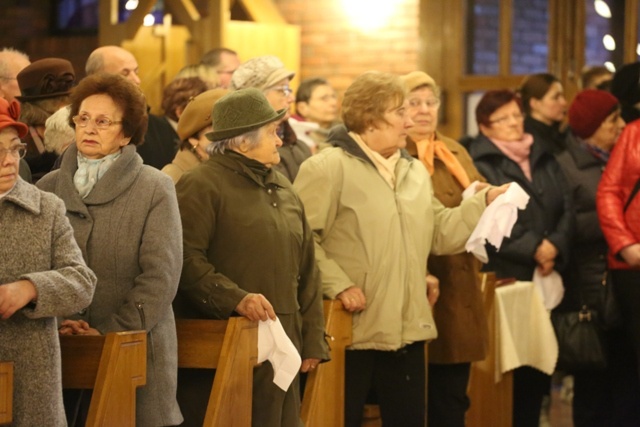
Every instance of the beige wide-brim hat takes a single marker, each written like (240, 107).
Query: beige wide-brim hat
(240, 112)
(261, 72)
(197, 114)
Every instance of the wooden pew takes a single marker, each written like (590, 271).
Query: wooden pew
(6, 392)
(113, 365)
(323, 403)
(491, 402)
(230, 347)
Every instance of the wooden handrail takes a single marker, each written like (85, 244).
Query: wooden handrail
(6, 393)
(491, 402)
(113, 365)
(230, 347)
(323, 403)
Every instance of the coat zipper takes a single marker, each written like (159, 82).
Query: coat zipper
(140, 307)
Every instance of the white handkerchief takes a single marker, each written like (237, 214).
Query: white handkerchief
(550, 287)
(497, 221)
(274, 345)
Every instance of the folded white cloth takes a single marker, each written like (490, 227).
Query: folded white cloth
(470, 190)
(274, 345)
(497, 221)
(524, 334)
(550, 287)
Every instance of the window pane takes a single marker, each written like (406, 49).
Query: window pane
(604, 32)
(483, 34)
(529, 37)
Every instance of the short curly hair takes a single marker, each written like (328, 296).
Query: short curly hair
(491, 101)
(368, 98)
(124, 93)
(176, 95)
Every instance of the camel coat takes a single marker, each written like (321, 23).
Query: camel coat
(459, 313)
(38, 245)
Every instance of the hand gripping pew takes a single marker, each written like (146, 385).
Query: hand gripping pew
(113, 365)
(231, 348)
(323, 402)
(6, 393)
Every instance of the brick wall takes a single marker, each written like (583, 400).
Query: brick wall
(333, 48)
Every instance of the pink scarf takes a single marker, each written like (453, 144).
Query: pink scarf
(518, 151)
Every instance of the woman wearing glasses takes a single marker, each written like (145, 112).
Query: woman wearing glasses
(540, 238)
(268, 74)
(43, 276)
(459, 313)
(126, 221)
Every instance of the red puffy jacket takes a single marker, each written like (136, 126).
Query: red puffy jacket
(621, 228)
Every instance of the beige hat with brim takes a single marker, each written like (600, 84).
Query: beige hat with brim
(197, 114)
(416, 79)
(261, 72)
(240, 112)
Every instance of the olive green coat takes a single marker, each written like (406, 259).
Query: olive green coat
(244, 231)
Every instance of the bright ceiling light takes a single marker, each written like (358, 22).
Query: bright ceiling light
(602, 8)
(610, 66)
(149, 20)
(638, 49)
(369, 15)
(609, 42)
(131, 5)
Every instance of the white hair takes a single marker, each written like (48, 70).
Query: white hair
(253, 137)
(58, 133)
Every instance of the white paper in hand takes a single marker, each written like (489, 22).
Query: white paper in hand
(275, 346)
(497, 221)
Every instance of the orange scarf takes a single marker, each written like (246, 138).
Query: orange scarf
(429, 149)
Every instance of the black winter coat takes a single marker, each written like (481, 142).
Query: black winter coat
(588, 259)
(549, 213)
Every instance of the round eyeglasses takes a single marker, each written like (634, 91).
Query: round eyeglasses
(17, 151)
(101, 123)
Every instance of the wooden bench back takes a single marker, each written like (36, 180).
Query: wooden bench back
(230, 347)
(6, 392)
(113, 365)
(323, 402)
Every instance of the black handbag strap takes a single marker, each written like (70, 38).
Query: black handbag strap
(632, 195)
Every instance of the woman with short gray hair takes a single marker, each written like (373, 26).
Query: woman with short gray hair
(248, 250)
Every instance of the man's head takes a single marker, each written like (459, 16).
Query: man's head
(11, 63)
(316, 101)
(224, 61)
(113, 60)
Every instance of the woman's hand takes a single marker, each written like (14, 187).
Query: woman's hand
(256, 307)
(73, 327)
(309, 365)
(631, 255)
(433, 289)
(495, 192)
(546, 268)
(14, 296)
(545, 252)
(353, 299)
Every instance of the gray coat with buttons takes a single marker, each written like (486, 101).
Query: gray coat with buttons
(38, 245)
(128, 228)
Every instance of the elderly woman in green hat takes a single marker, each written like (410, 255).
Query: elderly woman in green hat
(248, 250)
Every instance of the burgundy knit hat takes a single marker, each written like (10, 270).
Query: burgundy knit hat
(588, 110)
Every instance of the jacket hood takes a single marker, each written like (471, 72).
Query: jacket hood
(339, 137)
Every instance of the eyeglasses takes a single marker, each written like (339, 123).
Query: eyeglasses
(505, 119)
(429, 103)
(286, 90)
(17, 151)
(101, 123)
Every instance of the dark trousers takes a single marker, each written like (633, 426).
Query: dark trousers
(396, 377)
(447, 398)
(529, 387)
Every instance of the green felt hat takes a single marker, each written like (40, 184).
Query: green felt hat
(240, 112)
